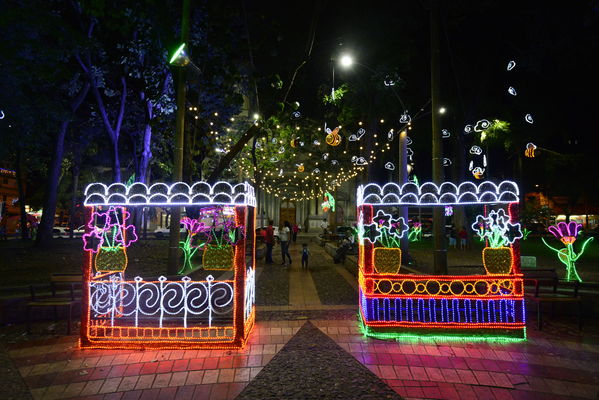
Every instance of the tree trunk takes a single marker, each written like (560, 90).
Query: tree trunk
(116, 162)
(19, 173)
(75, 171)
(44, 233)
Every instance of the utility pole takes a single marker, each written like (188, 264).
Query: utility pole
(440, 250)
(174, 236)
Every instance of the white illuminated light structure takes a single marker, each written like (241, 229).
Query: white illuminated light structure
(357, 136)
(445, 133)
(468, 128)
(476, 150)
(399, 223)
(390, 134)
(405, 118)
(1, 114)
(446, 162)
(511, 65)
(512, 91)
(482, 125)
(360, 161)
(346, 61)
(176, 194)
(528, 118)
(431, 194)
(116, 298)
(167, 313)
(390, 166)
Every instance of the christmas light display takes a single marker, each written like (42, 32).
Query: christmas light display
(109, 238)
(528, 118)
(512, 91)
(448, 211)
(530, 150)
(176, 312)
(498, 232)
(430, 194)
(567, 233)
(390, 166)
(511, 65)
(482, 125)
(329, 203)
(415, 234)
(394, 305)
(357, 136)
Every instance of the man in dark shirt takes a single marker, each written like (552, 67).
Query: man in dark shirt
(270, 242)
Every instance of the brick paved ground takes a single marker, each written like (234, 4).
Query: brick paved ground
(558, 363)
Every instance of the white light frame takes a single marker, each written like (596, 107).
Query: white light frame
(429, 194)
(161, 194)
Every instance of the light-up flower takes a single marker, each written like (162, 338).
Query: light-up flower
(566, 232)
(110, 229)
(93, 240)
(497, 229)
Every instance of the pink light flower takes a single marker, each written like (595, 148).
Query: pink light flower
(93, 240)
(566, 232)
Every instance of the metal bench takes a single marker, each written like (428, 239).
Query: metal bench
(547, 290)
(59, 296)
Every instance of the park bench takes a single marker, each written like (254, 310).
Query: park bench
(60, 296)
(549, 289)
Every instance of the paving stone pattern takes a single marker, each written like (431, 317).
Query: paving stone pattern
(328, 353)
(308, 367)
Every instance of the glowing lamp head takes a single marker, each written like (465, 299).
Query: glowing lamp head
(346, 61)
(442, 110)
(180, 57)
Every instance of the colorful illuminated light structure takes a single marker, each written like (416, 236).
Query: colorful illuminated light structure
(396, 305)
(120, 312)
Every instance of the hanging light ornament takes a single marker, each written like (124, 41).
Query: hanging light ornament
(333, 138)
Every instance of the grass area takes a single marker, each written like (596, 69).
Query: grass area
(21, 263)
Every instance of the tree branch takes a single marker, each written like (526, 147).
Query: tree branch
(119, 121)
(226, 160)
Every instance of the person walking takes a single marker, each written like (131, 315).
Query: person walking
(269, 239)
(305, 255)
(284, 234)
(452, 237)
(295, 230)
(463, 235)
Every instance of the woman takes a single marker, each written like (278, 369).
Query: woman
(284, 238)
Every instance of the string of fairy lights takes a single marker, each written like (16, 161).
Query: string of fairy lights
(303, 173)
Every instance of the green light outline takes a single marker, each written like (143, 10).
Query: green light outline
(397, 336)
(177, 53)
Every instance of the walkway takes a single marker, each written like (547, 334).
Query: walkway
(306, 344)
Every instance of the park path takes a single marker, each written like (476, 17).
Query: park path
(310, 346)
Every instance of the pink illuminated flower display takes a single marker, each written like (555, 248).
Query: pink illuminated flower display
(109, 230)
(566, 232)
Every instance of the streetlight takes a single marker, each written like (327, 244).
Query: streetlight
(442, 110)
(346, 61)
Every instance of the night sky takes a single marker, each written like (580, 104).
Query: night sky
(555, 76)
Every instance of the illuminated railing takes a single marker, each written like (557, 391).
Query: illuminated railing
(116, 302)
(249, 295)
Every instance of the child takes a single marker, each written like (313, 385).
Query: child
(305, 254)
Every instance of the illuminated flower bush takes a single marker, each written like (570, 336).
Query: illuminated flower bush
(497, 229)
(387, 231)
(109, 237)
(415, 232)
(192, 242)
(499, 233)
(222, 236)
(567, 233)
